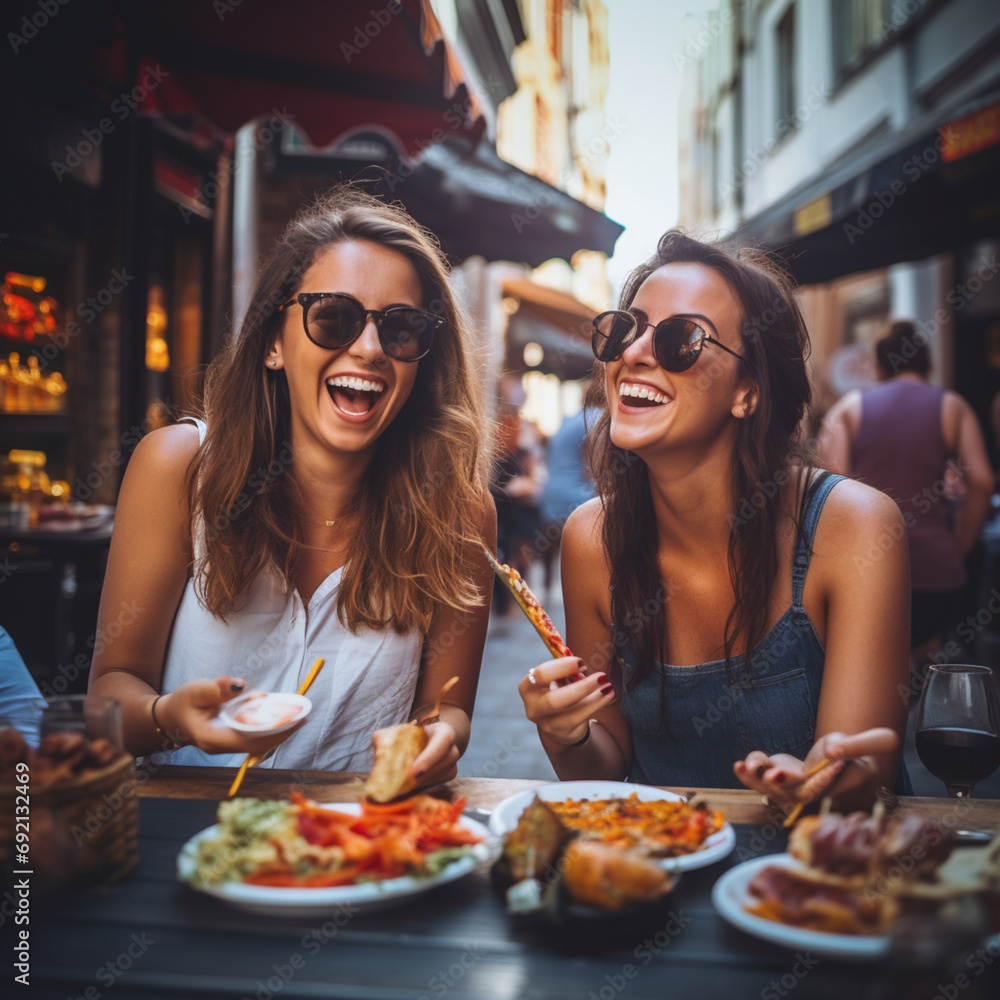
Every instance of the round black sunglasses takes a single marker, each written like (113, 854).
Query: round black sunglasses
(334, 320)
(677, 341)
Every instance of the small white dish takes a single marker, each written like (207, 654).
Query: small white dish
(263, 712)
(505, 816)
(730, 897)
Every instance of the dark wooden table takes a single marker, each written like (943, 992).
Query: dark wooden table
(153, 937)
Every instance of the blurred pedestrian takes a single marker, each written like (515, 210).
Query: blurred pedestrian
(570, 483)
(899, 437)
(518, 479)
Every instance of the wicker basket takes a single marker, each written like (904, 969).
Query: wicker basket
(81, 833)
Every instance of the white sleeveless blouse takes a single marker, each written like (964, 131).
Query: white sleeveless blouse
(368, 681)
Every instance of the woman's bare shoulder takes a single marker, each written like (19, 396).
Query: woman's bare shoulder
(160, 465)
(583, 527)
(859, 526)
(853, 506)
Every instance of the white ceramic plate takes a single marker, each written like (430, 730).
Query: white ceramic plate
(290, 902)
(270, 704)
(730, 896)
(504, 818)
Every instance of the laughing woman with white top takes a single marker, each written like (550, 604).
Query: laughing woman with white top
(306, 516)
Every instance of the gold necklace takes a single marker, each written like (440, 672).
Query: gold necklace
(330, 524)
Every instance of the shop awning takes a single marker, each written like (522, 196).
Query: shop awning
(492, 208)
(330, 67)
(556, 322)
(914, 194)
(472, 200)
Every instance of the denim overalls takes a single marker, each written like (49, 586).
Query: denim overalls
(715, 717)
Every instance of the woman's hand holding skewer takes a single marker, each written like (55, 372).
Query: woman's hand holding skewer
(789, 782)
(562, 713)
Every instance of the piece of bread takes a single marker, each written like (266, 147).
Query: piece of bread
(609, 877)
(396, 748)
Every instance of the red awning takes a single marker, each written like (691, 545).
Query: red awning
(330, 66)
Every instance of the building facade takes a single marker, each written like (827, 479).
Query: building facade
(859, 139)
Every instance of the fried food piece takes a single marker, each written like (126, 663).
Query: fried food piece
(535, 842)
(611, 878)
(100, 753)
(13, 751)
(396, 748)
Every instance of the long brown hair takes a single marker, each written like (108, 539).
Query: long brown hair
(775, 346)
(423, 493)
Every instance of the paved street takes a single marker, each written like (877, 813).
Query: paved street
(504, 744)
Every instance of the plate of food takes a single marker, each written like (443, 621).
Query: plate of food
(576, 891)
(304, 859)
(853, 886)
(660, 824)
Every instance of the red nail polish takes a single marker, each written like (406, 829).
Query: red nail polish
(780, 777)
(607, 689)
(601, 678)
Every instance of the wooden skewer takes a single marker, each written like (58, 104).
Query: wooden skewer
(252, 760)
(796, 812)
(436, 710)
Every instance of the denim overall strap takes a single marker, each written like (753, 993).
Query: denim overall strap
(818, 492)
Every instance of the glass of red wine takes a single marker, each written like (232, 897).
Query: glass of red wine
(958, 738)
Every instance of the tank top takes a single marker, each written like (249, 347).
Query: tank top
(899, 449)
(715, 716)
(368, 682)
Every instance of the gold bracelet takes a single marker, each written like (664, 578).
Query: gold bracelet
(165, 735)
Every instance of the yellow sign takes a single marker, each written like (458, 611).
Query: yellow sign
(817, 214)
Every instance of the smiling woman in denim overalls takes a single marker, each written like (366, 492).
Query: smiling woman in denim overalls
(739, 614)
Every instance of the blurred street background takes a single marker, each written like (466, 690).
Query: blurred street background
(153, 152)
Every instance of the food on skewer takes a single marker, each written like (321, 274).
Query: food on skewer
(532, 607)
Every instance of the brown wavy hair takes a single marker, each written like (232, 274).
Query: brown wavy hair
(775, 347)
(422, 498)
